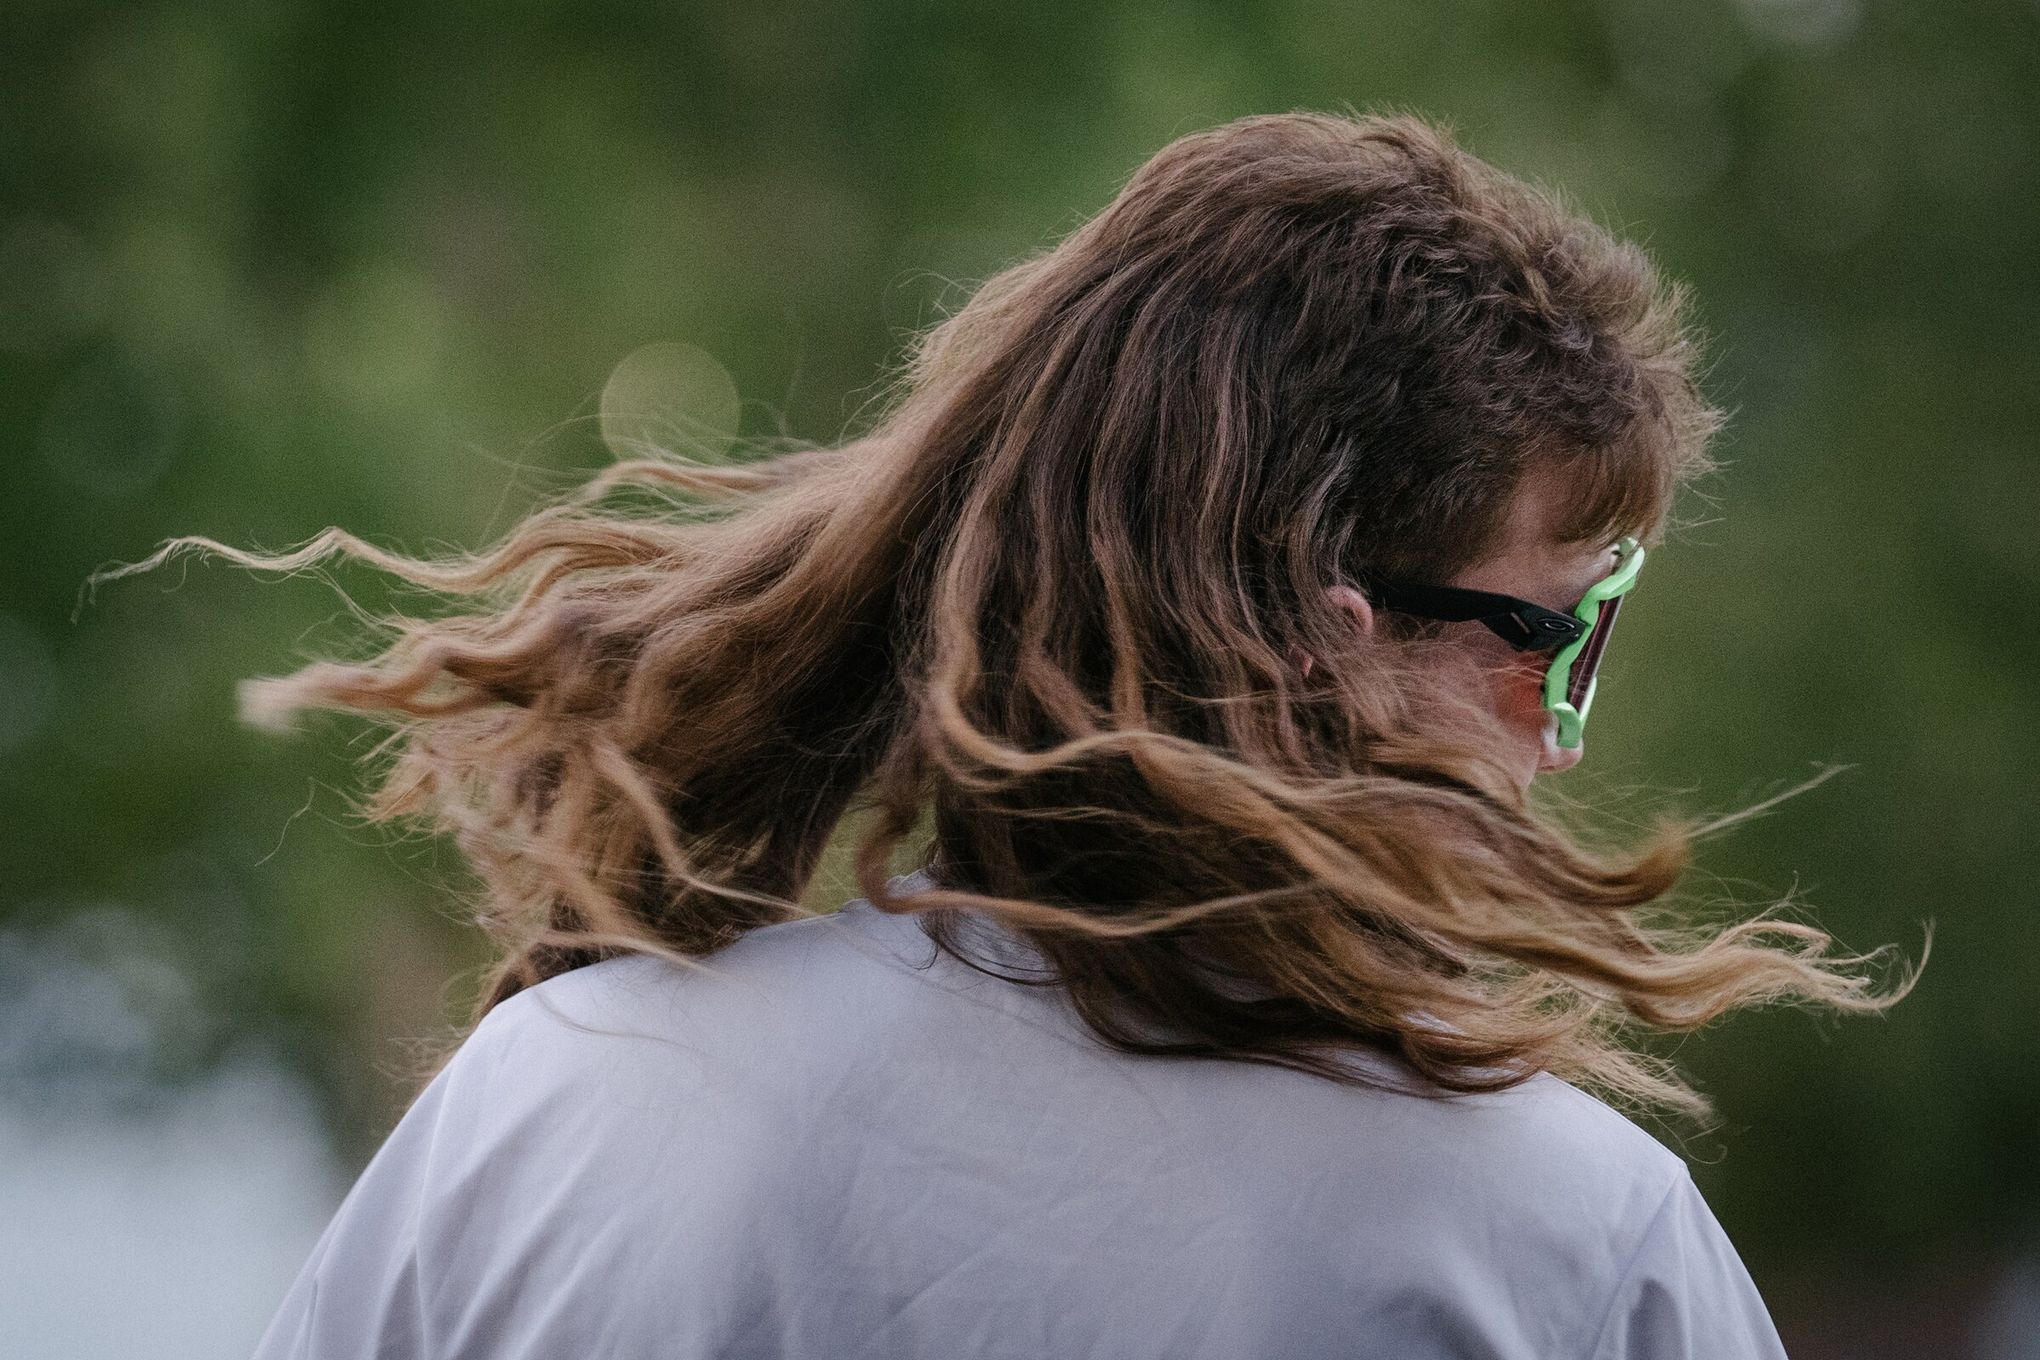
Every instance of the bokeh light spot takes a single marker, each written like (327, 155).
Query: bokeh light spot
(669, 397)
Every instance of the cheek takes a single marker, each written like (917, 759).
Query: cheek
(1519, 688)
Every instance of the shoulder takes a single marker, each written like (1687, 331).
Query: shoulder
(1540, 1181)
(1552, 1194)
(1562, 1122)
(1569, 1158)
(1684, 1293)
(1538, 1140)
(643, 983)
(774, 998)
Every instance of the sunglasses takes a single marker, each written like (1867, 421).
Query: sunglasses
(1579, 638)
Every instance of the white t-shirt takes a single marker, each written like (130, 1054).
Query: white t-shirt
(839, 1143)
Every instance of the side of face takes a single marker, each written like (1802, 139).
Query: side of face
(1529, 562)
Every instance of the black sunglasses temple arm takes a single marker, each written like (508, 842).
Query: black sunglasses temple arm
(1521, 624)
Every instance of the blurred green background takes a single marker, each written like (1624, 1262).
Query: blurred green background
(269, 268)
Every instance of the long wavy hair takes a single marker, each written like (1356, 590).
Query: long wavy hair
(1037, 627)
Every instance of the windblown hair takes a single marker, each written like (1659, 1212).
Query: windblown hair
(1037, 627)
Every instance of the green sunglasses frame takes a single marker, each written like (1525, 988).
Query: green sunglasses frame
(1571, 708)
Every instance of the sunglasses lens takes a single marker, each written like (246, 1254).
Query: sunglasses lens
(1581, 682)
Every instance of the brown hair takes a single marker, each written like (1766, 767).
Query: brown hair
(1042, 614)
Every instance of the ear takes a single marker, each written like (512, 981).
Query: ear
(1354, 603)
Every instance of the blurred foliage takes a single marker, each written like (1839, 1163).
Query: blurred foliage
(269, 268)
